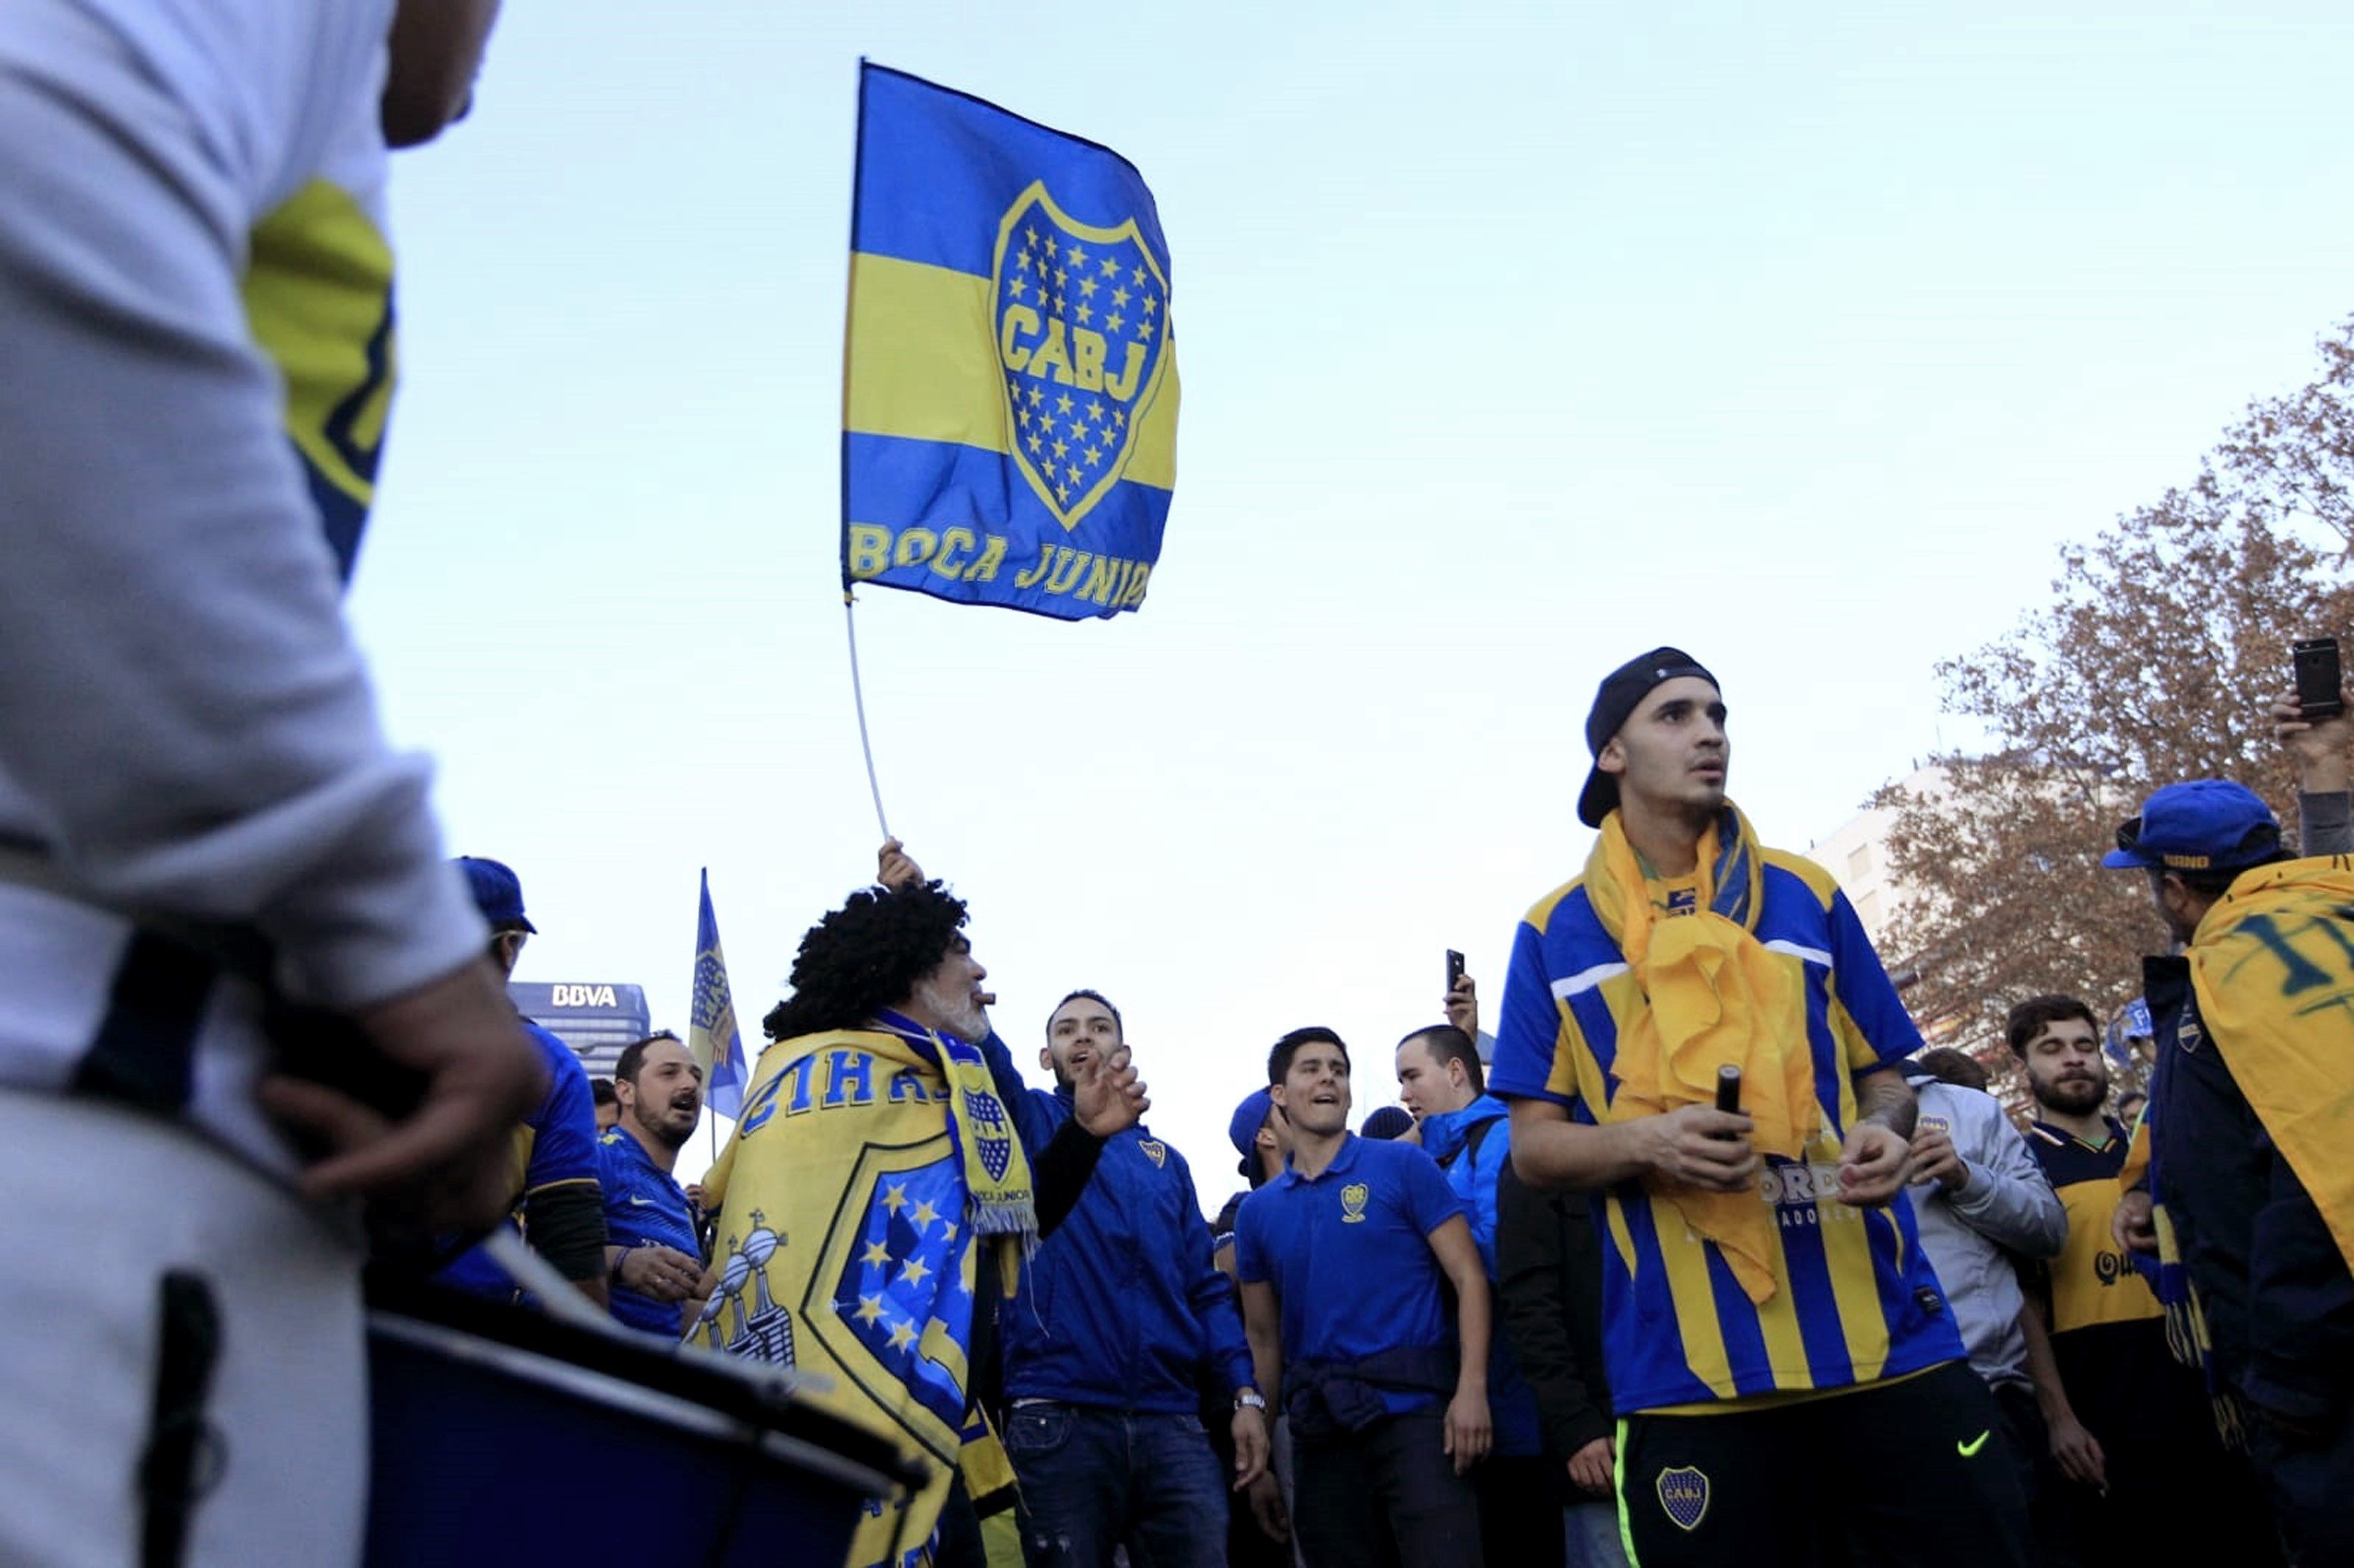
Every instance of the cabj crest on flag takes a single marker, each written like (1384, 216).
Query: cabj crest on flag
(1009, 411)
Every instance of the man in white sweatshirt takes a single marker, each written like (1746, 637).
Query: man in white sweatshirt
(199, 812)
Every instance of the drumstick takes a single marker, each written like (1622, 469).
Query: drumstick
(558, 1297)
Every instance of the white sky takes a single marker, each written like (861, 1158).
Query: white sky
(1514, 342)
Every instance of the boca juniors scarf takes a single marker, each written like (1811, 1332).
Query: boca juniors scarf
(873, 1175)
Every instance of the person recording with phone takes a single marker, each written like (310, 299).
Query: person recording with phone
(2312, 726)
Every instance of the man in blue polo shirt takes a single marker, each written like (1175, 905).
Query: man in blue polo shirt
(1122, 1314)
(1341, 1258)
(653, 1256)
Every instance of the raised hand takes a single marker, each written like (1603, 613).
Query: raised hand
(1108, 1097)
(894, 867)
(1462, 1007)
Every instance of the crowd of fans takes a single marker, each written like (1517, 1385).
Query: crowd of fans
(1700, 1258)
(1536, 1312)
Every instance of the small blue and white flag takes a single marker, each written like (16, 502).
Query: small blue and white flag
(711, 1032)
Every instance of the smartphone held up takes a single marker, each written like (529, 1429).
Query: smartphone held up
(2320, 678)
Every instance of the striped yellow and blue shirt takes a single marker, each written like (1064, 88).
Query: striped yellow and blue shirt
(1856, 1300)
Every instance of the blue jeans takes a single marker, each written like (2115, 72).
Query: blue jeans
(1093, 1480)
(1591, 1529)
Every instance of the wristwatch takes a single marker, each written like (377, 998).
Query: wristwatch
(1249, 1399)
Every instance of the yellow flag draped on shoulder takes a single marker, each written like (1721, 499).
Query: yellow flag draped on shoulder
(874, 1173)
(1715, 996)
(2272, 964)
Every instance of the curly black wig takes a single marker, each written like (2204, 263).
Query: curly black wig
(865, 955)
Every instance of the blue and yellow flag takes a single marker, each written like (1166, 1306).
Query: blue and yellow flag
(1010, 397)
(711, 1033)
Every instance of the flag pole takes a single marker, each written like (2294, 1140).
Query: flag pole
(850, 315)
(858, 699)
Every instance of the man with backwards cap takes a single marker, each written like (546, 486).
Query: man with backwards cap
(2251, 1112)
(1779, 1352)
(556, 1198)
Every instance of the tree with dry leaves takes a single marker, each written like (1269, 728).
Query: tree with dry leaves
(2150, 660)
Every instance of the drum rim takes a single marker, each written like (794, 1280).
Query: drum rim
(614, 1391)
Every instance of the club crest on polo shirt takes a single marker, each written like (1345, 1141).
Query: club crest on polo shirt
(1683, 1493)
(1683, 901)
(1154, 1151)
(1353, 1203)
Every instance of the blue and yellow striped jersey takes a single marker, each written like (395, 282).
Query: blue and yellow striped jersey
(1856, 1300)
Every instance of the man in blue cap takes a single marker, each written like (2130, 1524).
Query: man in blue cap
(2252, 1105)
(557, 1203)
(1259, 1134)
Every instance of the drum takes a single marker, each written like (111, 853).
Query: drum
(504, 1437)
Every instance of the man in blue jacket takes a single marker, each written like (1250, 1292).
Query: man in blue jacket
(1121, 1317)
(1469, 1132)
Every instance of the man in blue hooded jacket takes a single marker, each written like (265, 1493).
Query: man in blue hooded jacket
(1121, 1317)
(1470, 1133)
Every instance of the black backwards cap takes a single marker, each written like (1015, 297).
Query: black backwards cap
(1621, 691)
